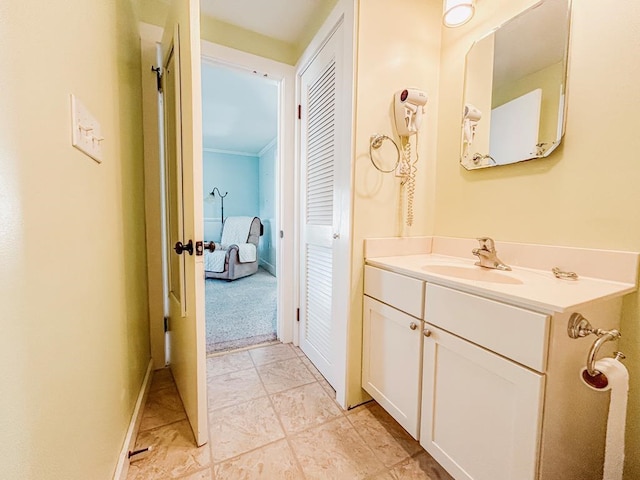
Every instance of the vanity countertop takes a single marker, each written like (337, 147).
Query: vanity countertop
(529, 288)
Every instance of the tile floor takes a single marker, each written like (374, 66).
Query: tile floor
(273, 416)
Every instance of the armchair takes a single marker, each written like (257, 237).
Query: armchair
(236, 255)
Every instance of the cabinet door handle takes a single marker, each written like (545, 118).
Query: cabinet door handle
(413, 325)
(426, 333)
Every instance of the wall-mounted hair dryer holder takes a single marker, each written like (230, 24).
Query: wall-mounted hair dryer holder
(579, 327)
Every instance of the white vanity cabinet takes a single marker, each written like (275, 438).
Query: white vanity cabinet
(493, 378)
(482, 411)
(392, 344)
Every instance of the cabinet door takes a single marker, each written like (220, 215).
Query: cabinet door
(481, 413)
(392, 362)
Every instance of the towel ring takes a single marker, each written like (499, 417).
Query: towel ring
(375, 143)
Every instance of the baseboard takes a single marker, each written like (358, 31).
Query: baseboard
(132, 432)
(268, 267)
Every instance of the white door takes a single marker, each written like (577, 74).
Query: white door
(183, 157)
(481, 413)
(392, 361)
(514, 130)
(324, 211)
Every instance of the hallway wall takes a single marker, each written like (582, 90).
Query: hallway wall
(73, 289)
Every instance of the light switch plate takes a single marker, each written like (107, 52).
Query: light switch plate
(87, 134)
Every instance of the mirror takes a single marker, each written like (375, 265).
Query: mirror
(515, 87)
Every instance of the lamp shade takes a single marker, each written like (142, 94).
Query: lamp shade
(457, 12)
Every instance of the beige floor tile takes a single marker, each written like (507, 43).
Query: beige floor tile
(284, 375)
(312, 368)
(334, 451)
(383, 475)
(298, 351)
(389, 441)
(247, 441)
(206, 474)
(272, 353)
(174, 453)
(240, 428)
(323, 382)
(160, 379)
(233, 388)
(329, 389)
(163, 407)
(272, 462)
(419, 467)
(304, 407)
(231, 362)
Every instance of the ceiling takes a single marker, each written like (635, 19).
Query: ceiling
(239, 110)
(281, 19)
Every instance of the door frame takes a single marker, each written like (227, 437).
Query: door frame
(154, 195)
(284, 76)
(150, 36)
(345, 14)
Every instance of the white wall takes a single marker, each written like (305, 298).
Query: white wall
(73, 289)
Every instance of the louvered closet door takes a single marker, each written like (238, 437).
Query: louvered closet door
(320, 213)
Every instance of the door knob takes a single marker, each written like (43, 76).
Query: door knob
(336, 236)
(427, 333)
(201, 246)
(180, 248)
(413, 325)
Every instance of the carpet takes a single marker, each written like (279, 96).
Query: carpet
(242, 312)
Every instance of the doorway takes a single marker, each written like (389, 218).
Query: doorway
(248, 173)
(240, 150)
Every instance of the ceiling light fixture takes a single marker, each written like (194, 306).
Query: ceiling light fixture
(457, 12)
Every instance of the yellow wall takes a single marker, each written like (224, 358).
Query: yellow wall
(587, 192)
(154, 12)
(74, 343)
(398, 47)
(222, 33)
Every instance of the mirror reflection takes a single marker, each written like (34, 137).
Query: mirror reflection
(515, 86)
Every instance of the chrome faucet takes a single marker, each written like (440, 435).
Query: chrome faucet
(487, 255)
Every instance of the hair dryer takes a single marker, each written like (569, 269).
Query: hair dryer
(409, 107)
(471, 117)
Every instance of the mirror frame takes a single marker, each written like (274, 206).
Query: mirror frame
(479, 160)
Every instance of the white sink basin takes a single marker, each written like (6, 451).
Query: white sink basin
(535, 289)
(472, 272)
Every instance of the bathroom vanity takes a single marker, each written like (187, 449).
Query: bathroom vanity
(477, 365)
